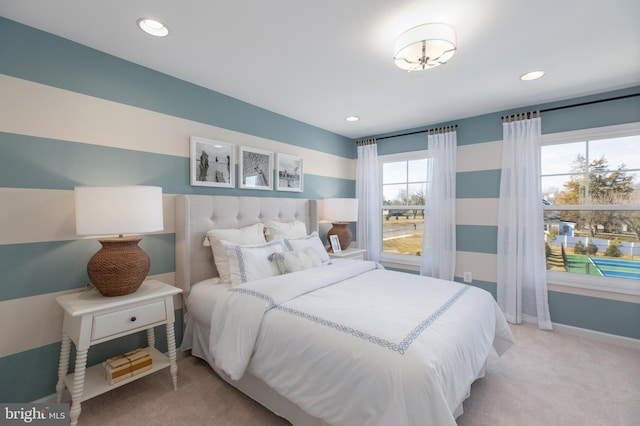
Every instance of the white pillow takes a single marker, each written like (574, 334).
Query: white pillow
(252, 234)
(293, 261)
(251, 262)
(279, 230)
(310, 241)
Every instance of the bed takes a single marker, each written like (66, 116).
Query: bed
(326, 342)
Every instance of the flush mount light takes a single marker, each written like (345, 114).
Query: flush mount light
(352, 118)
(153, 27)
(425, 46)
(533, 75)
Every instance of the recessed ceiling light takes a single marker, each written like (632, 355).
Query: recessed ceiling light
(533, 75)
(352, 118)
(153, 27)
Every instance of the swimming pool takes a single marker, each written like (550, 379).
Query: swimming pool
(618, 268)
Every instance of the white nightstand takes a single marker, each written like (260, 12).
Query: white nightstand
(91, 318)
(350, 253)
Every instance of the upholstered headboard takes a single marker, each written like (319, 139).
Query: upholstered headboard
(197, 214)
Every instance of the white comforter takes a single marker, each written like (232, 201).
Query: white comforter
(356, 345)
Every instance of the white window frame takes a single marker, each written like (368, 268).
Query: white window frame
(391, 259)
(590, 282)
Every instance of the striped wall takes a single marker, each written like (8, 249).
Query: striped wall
(479, 157)
(70, 115)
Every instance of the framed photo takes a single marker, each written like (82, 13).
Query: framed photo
(213, 163)
(335, 243)
(256, 168)
(289, 175)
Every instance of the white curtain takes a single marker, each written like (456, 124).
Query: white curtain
(369, 225)
(439, 240)
(522, 275)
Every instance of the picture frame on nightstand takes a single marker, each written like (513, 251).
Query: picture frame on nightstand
(335, 243)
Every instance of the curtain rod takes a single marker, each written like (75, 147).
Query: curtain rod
(455, 126)
(616, 98)
(541, 111)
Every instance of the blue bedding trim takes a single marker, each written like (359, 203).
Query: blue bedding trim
(397, 347)
(262, 296)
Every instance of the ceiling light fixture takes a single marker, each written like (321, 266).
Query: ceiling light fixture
(352, 118)
(533, 75)
(425, 46)
(153, 27)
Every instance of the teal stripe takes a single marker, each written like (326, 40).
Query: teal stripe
(31, 54)
(604, 315)
(477, 238)
(33, 162)
(33, 374)
(478, 184)
(45, 267)
(489, 286)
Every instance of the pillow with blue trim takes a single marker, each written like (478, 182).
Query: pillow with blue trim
(293, 261)
(251, 262)
(310, 241)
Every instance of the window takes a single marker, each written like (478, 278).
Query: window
(403, 179)
(591, 201)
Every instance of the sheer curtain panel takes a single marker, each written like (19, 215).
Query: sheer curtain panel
(522, 274)
(369, 225)
(439, 239)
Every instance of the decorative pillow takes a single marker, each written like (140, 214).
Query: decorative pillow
(278, 230)
(251, 262)
(253, 234)
(310, 241)
(292, 261)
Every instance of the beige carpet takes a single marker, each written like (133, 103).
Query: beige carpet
(547, 378)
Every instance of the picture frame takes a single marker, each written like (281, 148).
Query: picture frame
(212, 163)
(289, 173)
(335, 243)
(256, 169)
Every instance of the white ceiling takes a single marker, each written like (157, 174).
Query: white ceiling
(321, 61)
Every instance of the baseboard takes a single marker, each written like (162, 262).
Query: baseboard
(597, 335)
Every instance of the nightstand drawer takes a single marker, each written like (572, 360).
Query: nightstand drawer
(128, 319)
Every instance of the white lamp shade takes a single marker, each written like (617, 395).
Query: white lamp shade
(109, 210)
(340, 209)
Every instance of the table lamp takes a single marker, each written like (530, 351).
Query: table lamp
(340, 211)
(120, 266)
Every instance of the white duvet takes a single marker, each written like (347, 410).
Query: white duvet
(356, 345)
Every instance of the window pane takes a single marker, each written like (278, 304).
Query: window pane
(560, 158)
(395, 172)
(563, 190)
(602, 243)
(395, 194)
(417, 170)
(402, 231)
(617, 151)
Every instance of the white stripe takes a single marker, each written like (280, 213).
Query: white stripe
(35, 321)
(34, 109)
(477, 211)
(37, 215)
(483, 266)
(479, 156)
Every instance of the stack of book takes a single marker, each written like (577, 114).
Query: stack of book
(127, 365)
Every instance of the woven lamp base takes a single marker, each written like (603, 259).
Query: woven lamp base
(119, 267)
(341, 229)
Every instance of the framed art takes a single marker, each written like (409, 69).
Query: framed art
(289, 175)
(256, 168)
(213, 163)
(335, 243)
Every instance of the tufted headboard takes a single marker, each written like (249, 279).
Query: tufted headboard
(196, 214)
